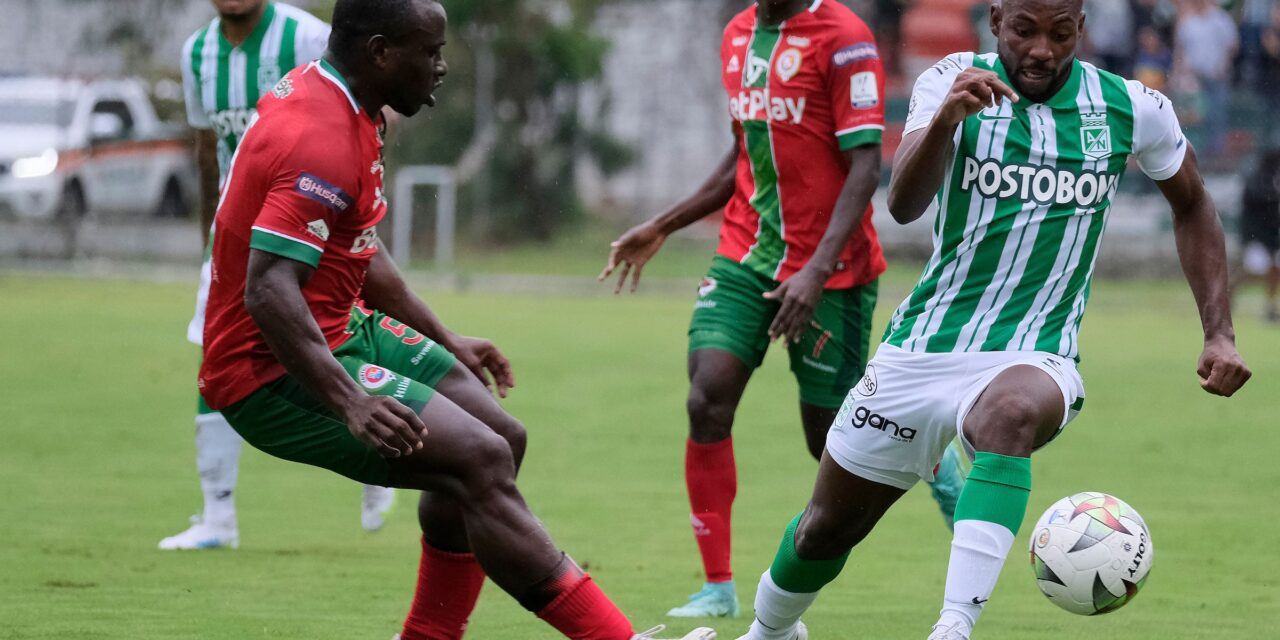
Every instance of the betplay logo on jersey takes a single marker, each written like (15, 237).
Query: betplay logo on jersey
(758, 104)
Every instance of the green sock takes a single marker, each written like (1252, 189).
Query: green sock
(997, 490)
(794, 574)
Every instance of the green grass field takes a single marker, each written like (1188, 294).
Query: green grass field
(96, 462)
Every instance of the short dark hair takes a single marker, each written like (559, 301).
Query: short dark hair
(355, 21)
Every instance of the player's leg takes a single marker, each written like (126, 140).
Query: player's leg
(843, 510)
(727, 341)
(1022, 408)
(217, 461)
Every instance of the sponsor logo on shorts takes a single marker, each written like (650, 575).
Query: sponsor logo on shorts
(868, 385)
(373, 377)
(402, 388)
(864, 417)
(855, 53)
(323, 192)
(422, 354)
(706, 287)
(820, 366)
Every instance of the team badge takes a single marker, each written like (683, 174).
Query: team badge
(319, 229)
(1095, 136)
(863, 93)
(373, 377)
(735, 65)
(789, 64)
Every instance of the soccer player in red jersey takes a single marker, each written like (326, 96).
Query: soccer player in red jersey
(798, 258)
(383, 394)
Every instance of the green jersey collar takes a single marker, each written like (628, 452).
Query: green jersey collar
(251, 44)
(1065, 98)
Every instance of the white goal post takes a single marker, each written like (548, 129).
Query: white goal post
(445, 182)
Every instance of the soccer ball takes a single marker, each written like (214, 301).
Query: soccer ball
(1091, 553)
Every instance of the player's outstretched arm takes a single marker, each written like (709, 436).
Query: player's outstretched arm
(634, 248)
(207, 167)
(273, 298)
(801, 292)
(921, 161)
(387, 292)
(1202, 251)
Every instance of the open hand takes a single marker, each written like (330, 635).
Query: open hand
(974, 89)
(485, 360)
(384, 424)
(800, 296)
(632, 251)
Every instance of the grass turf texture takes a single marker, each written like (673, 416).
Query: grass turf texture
(96, 401)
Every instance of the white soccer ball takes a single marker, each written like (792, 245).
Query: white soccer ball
(1091, 553)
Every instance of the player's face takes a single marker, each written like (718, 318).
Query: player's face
(1037, 43)
(416, 65)
(237, 8)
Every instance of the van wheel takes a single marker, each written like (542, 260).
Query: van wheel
(172, 205)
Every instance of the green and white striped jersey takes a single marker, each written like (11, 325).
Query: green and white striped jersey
(222, 83)
(1023, 207)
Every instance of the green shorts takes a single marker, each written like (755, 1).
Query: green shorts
(732, 315)
(385, 357)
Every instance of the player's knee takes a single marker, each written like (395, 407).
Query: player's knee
(1009, 424)
(826, 535)
(517, 438)
(489, 465)
(710, 415)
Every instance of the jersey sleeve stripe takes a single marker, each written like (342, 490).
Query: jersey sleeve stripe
(859, 136)
(285, 245)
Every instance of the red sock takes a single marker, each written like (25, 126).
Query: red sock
(712, 479)
(448, 586)
(583, 612)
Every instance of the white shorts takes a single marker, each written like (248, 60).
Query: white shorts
(195, 329)
(898, 420)
(1258, 259)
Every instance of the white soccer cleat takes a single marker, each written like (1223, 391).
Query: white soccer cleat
(952, 632)
(701, 633)
(203, 535)
(374, 505)
(802, 633)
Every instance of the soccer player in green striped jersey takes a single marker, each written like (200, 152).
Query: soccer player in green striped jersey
(1018, 153)
(226, 66)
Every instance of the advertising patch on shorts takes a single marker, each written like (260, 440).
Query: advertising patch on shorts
(373, 377)
(706, 287)
(867, 386)
(325, 193)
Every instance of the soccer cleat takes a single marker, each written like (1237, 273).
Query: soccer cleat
(202, 535)
(374, 505)
(802, 633)
(701, 633)
(716, 600)
(949, 480)
(952, 632)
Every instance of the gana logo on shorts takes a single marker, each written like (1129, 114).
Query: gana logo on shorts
(373, 377)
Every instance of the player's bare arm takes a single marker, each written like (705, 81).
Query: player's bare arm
(801, 292)
(207, 166)
(1202, 251)
(637, 246)
(386, 291)
(922, 159)
(273, 298)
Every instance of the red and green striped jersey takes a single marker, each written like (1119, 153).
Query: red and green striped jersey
(800, 94)
(1023, 206)
(222, 83)
(305, 184)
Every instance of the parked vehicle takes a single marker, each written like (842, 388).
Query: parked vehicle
(69, 147)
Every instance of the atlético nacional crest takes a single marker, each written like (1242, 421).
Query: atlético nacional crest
(1095, 136)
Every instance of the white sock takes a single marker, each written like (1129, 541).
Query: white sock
(218, 461)
(978, 552)
(777, 611)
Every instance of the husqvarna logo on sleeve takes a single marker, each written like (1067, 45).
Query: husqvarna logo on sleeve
(323, 192)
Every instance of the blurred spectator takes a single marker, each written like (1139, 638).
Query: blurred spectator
(1154, 61)
(1158, 15)
(1108, 36)
(1260, 231)
(1255, 18)
(1205, 43)
(1267, 83)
